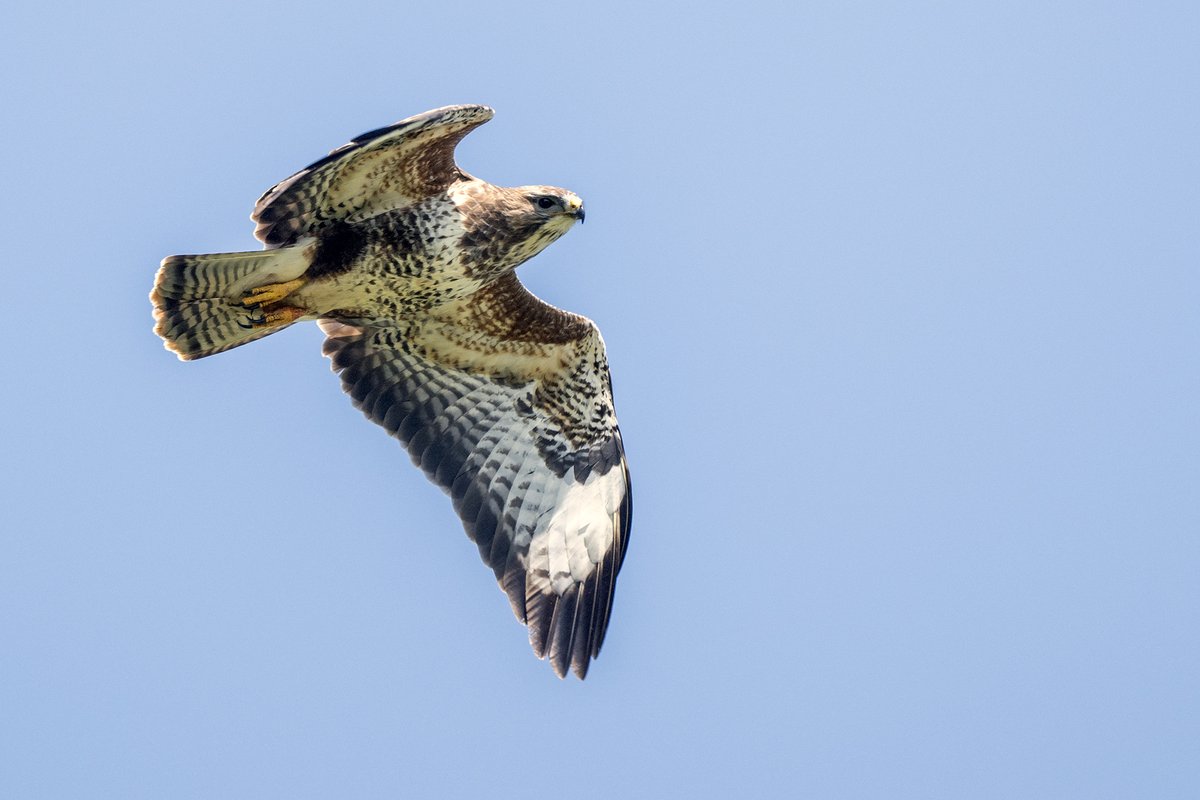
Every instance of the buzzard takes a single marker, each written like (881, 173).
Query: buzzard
(407, 264)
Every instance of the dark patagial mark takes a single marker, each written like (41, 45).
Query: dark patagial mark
(340, 245)
(401, 234)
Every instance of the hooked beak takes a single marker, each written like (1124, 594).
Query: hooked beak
(575, 206)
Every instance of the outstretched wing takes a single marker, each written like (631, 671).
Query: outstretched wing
(386, 168)
(505, 402)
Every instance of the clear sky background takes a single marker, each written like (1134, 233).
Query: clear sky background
(901, 305)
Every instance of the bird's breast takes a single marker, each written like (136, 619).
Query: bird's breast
(396, 263)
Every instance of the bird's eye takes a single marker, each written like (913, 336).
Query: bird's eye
(545, 202)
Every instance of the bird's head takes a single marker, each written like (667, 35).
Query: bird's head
(505, 227)
(552, 205)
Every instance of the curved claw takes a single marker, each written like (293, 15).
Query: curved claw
(253, 322)
(285, 315)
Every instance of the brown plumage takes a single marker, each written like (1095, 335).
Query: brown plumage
(503, 400)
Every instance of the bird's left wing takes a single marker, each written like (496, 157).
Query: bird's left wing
(382, 169)
(505, 402)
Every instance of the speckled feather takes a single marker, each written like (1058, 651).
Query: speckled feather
(504, 401)
(391, 167)
(511, 414)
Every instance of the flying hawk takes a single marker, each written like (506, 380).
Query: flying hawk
(407, 264)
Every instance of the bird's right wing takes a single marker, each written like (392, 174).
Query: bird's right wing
(505, 402)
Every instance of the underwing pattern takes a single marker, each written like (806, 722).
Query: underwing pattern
(505, 402)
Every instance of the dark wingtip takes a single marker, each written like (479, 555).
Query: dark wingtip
(564, 627)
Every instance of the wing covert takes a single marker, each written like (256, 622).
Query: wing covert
(387, 168)
(505, 402)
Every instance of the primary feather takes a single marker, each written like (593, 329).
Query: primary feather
(501, 399)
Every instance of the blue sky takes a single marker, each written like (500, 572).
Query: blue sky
(901, 306)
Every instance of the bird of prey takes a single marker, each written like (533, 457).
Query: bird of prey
(407, 264)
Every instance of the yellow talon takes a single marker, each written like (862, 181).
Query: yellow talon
(271, 293)
(285, 314)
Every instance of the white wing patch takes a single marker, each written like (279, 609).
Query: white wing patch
(580, 530)
(524, 441)
(504, 401)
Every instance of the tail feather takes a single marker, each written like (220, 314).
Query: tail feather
(198, 298)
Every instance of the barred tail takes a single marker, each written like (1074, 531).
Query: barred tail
(197, 299)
